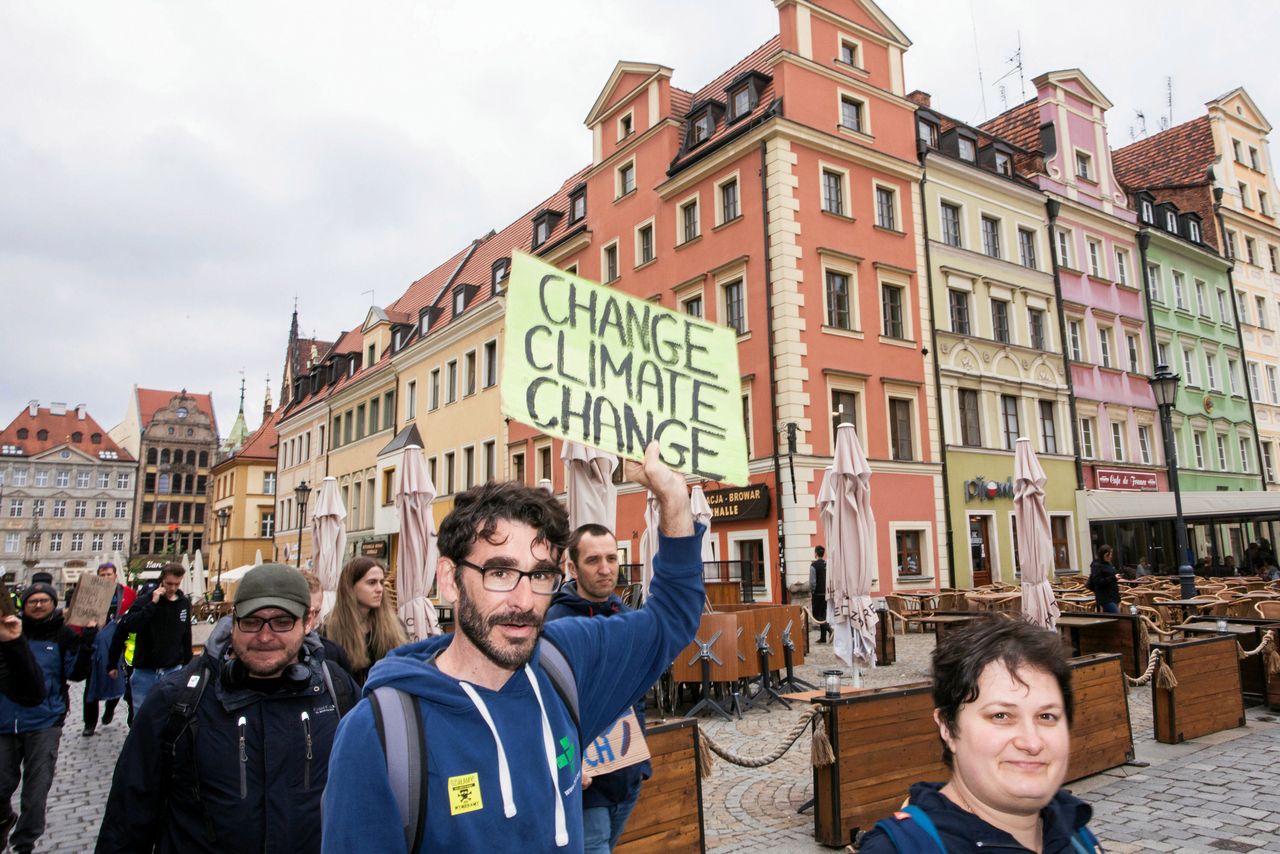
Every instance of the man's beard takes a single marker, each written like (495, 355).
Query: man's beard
(479, 630)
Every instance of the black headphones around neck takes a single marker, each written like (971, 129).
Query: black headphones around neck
(295, 677)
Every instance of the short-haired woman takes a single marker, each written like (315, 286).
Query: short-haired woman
(1003, 706)
(363, 622)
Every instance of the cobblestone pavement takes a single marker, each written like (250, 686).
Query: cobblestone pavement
(1217, 793)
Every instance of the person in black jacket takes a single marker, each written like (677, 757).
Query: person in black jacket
(818, 591)
(245, 769)
(607, 799)
(31, 732)
(161, 617)
(1104, 582)
(21, 679)
(1003, 706)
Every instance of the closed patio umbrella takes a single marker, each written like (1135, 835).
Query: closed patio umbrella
(197, 578)
(702, 514)
(648, 540)
(593, 496)
(416, 552)
(1035, 537)
(845, 503)
(328, 541)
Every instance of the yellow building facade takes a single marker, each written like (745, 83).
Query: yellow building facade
(244, 493)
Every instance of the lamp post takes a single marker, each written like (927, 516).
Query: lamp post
(224, 518)
(30, 556)
(1164, 385)
(301, 493)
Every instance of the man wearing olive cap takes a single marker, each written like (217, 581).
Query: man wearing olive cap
(235, 754)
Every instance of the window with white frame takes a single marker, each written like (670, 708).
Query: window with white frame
(901, 429)
(1224, 310)
(1086, 438)
(1190, 376)
(1009, 421)
(625, 179)
(838, 314)
(1242, 306)
(951, 233)
(1122, 266)
(1251, 250)
(1246, 453)
(1117, 440)
(1162, 354)
(1255, 386)
(891, 314)
(1027, 248)
(1233, 376)
(1135, 359)
(1063, 238)
(1273, 383)
(991, 236)
(1036, 327)
(1095, 257)
(1211, 370)
(727, 206)
(1193, 231)
(968, 151)
(970, 417)
(1202, 299)
(609, 262)
(1144, 443)
(1074, 340)
(958, 304)
(689, 221)
(1084, 165)
(849, 52)
(1222, 451)
(886, 208)
(1000, 320)
(1179, 290)
(833, 191)
(1268, 461)
(1048, 428)
(735, 314)
(1260, 310)
(644, 244)
(1104, 345)
(1197, 441)
(1155, 289)
(851, 113)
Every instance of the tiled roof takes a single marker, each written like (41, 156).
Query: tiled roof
(261, 445)
(305, 345)
(1019, 126)
(717, 90)
(1177, 157)
(681, 101)
(60, 429)
(151, 400)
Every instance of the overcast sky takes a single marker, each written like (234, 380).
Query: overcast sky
(173, 175)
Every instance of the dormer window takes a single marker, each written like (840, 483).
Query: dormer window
(744, 94)
(1084, 165)
(968, 149)
(459, 301)
(1193, 231)
(1004, 163)
(501, 269)
(352, 363)
(927, 132)
(577, 204)
(1171, 222)
(543, 224)
(1148, 212)
(703, 127)
(741, 102)
(397, 340)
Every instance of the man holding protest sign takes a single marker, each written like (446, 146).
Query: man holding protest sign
(607, 798)
(473, 741)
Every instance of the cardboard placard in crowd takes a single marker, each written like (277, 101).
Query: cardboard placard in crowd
(620, 746)
(91, 601)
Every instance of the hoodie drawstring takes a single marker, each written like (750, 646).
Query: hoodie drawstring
(549, 744)
(504, 772)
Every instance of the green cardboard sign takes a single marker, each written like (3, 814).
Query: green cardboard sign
(590, 364)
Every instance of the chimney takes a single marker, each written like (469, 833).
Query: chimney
(80, 411)
(33, 408)
(56, 408)
(921, 99)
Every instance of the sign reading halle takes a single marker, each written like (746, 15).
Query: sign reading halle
(589, 364)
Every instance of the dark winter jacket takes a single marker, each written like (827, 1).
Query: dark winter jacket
(962, 831)
(261, 760)
(163, 629)
(608, 789)
(62, 655)
(1104, 582)
(21, 679)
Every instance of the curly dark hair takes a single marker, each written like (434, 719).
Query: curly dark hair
(964, 653)
(477, 512)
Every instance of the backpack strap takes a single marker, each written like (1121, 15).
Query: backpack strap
(398, 719)
(554, 663)
(182, 718)
(912, 831)
(1085, 842)
(343, 698)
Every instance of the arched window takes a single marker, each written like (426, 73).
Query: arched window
(77, 437)
(191, 458)
(164, 457)
(165, 484)
(23, 432)
(151, 456)
(96, 438)
(42, 435)
(204, 459)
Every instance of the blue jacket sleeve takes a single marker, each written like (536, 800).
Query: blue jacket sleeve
(616, 660)
(359, 811)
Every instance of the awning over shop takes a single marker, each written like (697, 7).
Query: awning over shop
(1103, 505)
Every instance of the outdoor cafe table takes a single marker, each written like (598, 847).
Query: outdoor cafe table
(1074, 623)
(1189, 606)
(941, 622)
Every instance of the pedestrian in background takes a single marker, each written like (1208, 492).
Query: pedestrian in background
(363, 622)
(101, 685)
(232, 754)
(1104, 582)
(161, 618)
(607, 800)
(332, 651)
(32, 733)
(1003, 706)
(818, 590)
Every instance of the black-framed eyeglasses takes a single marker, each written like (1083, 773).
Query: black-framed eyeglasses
(502, 578)
(279, 625)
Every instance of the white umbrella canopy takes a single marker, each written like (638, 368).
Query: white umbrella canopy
(416, 551)
(328, 541)
(257, 557)
(702, 514)
(849, 524)
(198, 581)
(1035, 537)
(648, 540)
(188, 583)
(593, 496)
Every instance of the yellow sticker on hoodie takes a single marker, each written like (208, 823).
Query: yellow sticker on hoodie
(464, 794)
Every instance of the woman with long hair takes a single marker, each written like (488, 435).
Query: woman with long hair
(363, 622)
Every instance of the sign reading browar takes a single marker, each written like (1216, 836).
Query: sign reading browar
(589, 364)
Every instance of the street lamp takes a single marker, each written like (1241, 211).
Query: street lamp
(1164, 385)
(224, 518)
(301, 493)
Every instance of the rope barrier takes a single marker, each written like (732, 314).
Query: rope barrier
(1267, 648)
(1165, 678)
(820, 751)
(814, 621)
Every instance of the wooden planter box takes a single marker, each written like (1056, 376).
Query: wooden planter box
(1253, 673)
(1208, 697)
(1101, 736)
(668, 817)
(884, 740)
(1121, 634)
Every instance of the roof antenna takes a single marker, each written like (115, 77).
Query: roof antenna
(1016, 61)
(977, 53)
(370, 293)
(1141, 118)
(1168, 82)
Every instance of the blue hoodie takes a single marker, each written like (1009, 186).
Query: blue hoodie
(491, 753)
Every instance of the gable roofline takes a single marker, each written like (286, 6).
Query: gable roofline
(650, 70)
(1057, 77)
(1241, 92)
(895, 33)
(375, 316)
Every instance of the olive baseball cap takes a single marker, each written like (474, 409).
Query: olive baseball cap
(273, 585)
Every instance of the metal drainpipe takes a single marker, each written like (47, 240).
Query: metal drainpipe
(922, 152)
(784, 595)
(1052, 206)
(1235, 312)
